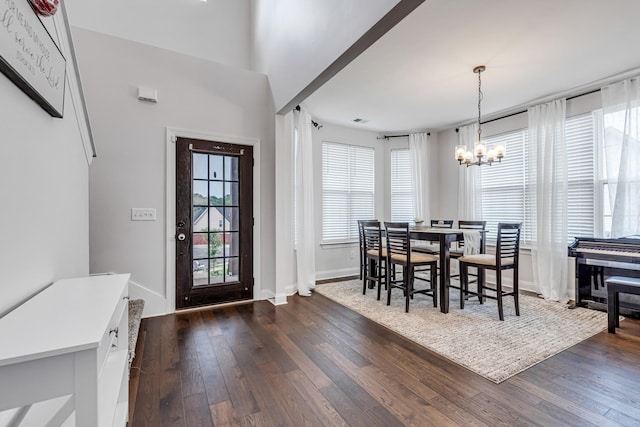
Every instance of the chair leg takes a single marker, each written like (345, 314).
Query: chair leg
(388, 288)
(380, 267)
(499, 293)
(408, 283)
(365, 273)
(480, 285)
(434, 284)
(516, 291)
(464, 282)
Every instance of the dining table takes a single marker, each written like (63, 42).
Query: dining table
(444, 236)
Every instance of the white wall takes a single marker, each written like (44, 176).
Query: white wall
(449, 170)
(217, 30)
(44, 194)
(294, 41)
(194, 94)
(343, 259)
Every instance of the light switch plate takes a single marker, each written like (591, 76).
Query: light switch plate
(143, 214)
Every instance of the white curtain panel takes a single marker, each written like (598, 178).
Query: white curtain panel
(548, 175)
(304, 209)
(621, 105)
(469, 179)
(420, 154)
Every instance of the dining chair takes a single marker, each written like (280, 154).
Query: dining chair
(399, 253)
(375, 256)
(505, 258)
(433, 247)
(456, 253)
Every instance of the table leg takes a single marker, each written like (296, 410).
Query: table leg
(445, 273)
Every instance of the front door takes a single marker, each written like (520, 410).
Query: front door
(214, 222)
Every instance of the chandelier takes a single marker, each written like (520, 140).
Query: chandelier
(480, 154)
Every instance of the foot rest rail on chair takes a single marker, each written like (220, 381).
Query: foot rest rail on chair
(615, 285)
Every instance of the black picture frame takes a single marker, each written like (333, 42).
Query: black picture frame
(30, 57)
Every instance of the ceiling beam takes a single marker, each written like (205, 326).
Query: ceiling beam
(387, 22)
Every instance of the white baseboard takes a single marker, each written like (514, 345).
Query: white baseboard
(333, 274)
(276, 299)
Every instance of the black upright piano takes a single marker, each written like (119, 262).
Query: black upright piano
(599, 259)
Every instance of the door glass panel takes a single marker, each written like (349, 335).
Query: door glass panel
(215, 167)
(231, 168)
(215, 245)
(200, 218)
(200, 275)
(200, 166)
(200, 193)
(216, 193)
(231, 194)
(232, 216)
(231, 270)
(216, 272)
(232, 244)
(216, 220)
(200, 246)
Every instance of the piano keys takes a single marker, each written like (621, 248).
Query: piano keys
(599, 259)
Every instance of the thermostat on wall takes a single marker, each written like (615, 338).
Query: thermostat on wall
(148, 95)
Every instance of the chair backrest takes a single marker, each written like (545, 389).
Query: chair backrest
(361, 232)
(471, 225)
(398, 242)
(442, 223)
(372, 236)
(508, 244)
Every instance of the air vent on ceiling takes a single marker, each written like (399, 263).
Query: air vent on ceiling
(360, 121)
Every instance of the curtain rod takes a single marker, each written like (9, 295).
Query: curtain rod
(314, 123)
(524, 111)
(396, 136)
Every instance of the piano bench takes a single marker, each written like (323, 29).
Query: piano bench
(615, 285)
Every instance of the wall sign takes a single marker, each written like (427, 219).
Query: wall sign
(30, 57)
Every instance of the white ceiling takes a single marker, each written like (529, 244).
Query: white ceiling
(419, 75)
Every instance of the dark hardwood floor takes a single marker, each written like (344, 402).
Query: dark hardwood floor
(313, 362)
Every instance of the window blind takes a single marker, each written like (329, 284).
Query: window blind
(581, 169)
(347, 190)
(504, 185)
(402, 193)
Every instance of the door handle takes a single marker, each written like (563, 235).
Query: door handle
(181, 236)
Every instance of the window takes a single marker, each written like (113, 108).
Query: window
(581, 172)
(402, 194)
(503, 188)
(347, 190)
(508, 196)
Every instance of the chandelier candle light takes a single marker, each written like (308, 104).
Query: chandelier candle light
(465, 156)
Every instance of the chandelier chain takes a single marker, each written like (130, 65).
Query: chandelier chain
(479, 102)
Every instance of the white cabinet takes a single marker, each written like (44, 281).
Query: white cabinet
(63, 355)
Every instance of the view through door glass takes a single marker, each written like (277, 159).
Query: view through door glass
(214, 216)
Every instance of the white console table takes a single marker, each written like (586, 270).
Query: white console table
(63, 355)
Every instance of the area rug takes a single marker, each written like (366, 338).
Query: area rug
(136, 307)
(475, 337)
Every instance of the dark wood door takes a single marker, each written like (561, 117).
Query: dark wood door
(214, 222)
